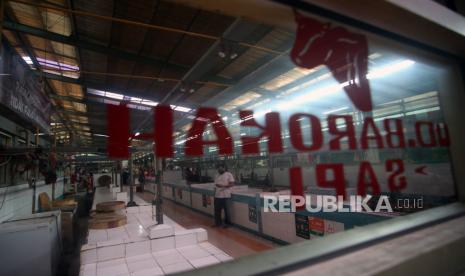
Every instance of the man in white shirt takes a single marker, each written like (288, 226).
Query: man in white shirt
(223, 183)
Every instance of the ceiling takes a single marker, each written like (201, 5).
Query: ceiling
(153, 50)
(98, 52)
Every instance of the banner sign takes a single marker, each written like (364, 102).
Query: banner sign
(22, 92)
(253, 213)
(206, 200)
(333, 227)
(302, 226)
(317, 226)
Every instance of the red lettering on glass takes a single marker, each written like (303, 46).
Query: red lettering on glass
(369, 124)
(118, 131)
(271, 130)
(347, 132)
(163, 131)
(442, 132)
(420, 138)
(396, 132)
(296, 183)
(295, 132)
(345, 53)
(194, 144)
(396, 181)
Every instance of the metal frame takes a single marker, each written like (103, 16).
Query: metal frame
(18, 27)
(298, 255)
(286, 259)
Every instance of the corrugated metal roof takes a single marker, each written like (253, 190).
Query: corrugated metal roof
(108, 47)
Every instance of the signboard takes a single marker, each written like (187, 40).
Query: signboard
(22, 92)
(333, 227)
(322, 227)
(302, 226)
(253, 213)
(317, 226)
(206, 200)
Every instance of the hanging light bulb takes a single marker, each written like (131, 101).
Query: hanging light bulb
(221, 54)
(222, 51)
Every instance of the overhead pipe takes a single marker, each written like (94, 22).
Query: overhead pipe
(143, 25)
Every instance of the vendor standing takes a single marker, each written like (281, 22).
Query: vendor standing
(223, 183)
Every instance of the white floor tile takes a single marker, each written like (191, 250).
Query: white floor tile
(185, 238)
(205, 261)
(160, 231)
(110, 242)
(110, 252)
(113, 270)
(86, 267)
(145, 209)
(149, 272)
(88, 273)
(223, 257)
(141, 265)
(189, 247)
(135, 229)
(162, 244)
(88, 246)
(177, 267)
(137, 238)
(137, 248)
(201, 234)
(132, 210)
(193, 252)
(164, 252)
(101, 265)
(169, 259)
(89, 256)
(211, 248)
(138, 258)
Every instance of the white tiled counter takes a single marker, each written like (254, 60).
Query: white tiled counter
(143, 248)
(247, 212)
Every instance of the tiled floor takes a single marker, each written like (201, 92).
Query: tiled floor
(139, 248)
(159, 263)
(148, 250)
(233, 241)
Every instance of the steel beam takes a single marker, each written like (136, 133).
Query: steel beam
(71, 40)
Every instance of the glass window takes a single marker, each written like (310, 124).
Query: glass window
(385, 138)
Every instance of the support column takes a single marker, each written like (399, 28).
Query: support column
(158, 199)
(131, 182)
(35, 173)
(121, 175)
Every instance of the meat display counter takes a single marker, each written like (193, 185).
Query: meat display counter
(246, 210)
